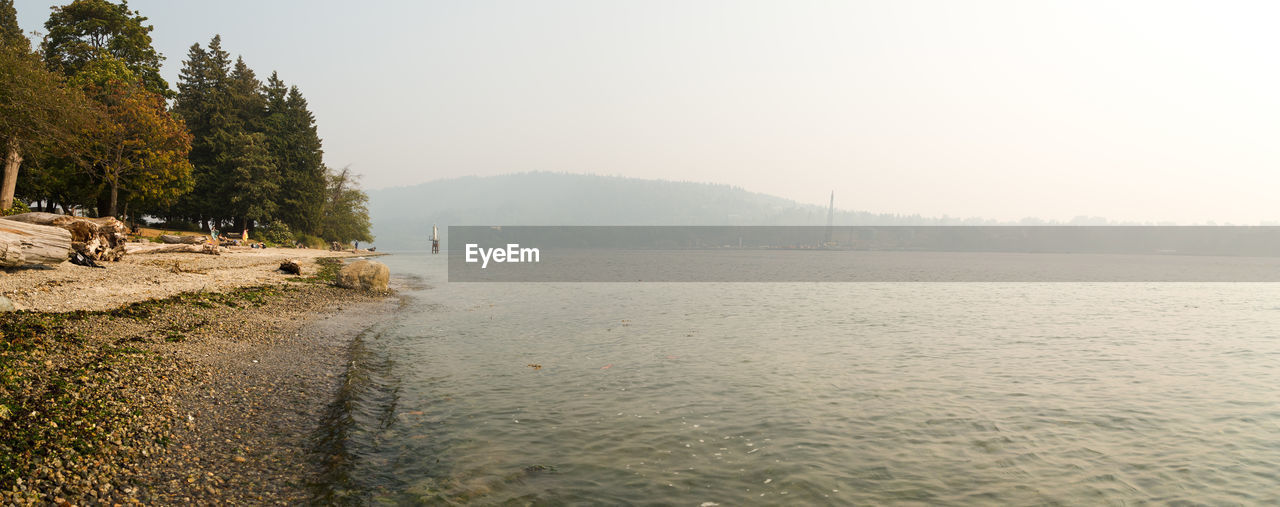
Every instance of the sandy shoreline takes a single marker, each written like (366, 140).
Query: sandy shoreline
(139, 277)
(206, 397)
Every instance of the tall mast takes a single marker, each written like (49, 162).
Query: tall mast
(831, 217)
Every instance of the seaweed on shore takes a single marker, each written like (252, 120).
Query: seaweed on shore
(328, 272)
(67, 397)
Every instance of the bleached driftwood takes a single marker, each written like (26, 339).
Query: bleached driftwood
(154, 248)
(23, 244)
(100, 239)
(174, 239)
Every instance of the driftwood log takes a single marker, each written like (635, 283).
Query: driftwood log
(100, 239)
(153, 248)
(174, 239)
(23, 244)
(291, 267)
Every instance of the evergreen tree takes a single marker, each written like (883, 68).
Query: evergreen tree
(296, 148)
(10, 33)
(247, 99)
(205, 103)
(253, 185)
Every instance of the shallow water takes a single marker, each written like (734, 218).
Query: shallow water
(812, 393)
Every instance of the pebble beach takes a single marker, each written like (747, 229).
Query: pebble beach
(173, 378)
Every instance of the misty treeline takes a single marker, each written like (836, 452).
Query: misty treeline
(88, 125)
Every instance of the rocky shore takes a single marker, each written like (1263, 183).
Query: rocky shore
(199, 396)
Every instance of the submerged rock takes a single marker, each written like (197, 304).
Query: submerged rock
(365, 275)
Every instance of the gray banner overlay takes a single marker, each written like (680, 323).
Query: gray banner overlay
(863, 254)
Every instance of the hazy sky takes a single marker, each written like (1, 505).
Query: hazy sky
(1155, 110)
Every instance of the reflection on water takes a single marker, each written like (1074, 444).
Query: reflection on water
(813, 393)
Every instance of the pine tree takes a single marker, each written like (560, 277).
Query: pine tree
(296, 146)
(253, 185)
(205, 103)
(10, 33)
(247, 99)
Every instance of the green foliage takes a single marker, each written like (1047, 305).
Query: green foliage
(40, 115)
(204, 103)
(139, 147)
(10, 33)
(86, 30)
(36, 106)
(18, 208)
(246, 146)
(276, 233)
(291, 131)
(252, 184)
(346, 212)
(310, 241)
(253, 153)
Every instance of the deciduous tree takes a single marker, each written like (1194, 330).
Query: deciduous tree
(346, 209)
(37, 108)
(139, 146)
(85, 30)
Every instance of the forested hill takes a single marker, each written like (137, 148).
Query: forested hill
(402, 216)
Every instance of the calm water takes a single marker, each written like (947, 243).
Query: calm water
(808, 393)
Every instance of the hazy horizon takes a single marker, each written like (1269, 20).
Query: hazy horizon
(1141, 111)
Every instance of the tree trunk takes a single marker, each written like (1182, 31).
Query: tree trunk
(115, 199)
(23, 244)
(12, 160)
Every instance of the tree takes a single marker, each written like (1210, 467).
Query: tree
(204, 102)
(253, 182)
(295, 145)
(10, 33)
(36, 107)
(86, 30)
(139, 146)
(245, 92)
(346, 212)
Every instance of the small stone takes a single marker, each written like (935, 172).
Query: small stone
(6, 305)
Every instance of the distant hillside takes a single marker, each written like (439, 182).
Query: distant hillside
(402, 216)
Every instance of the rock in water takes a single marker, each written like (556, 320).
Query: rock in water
(365, 275)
